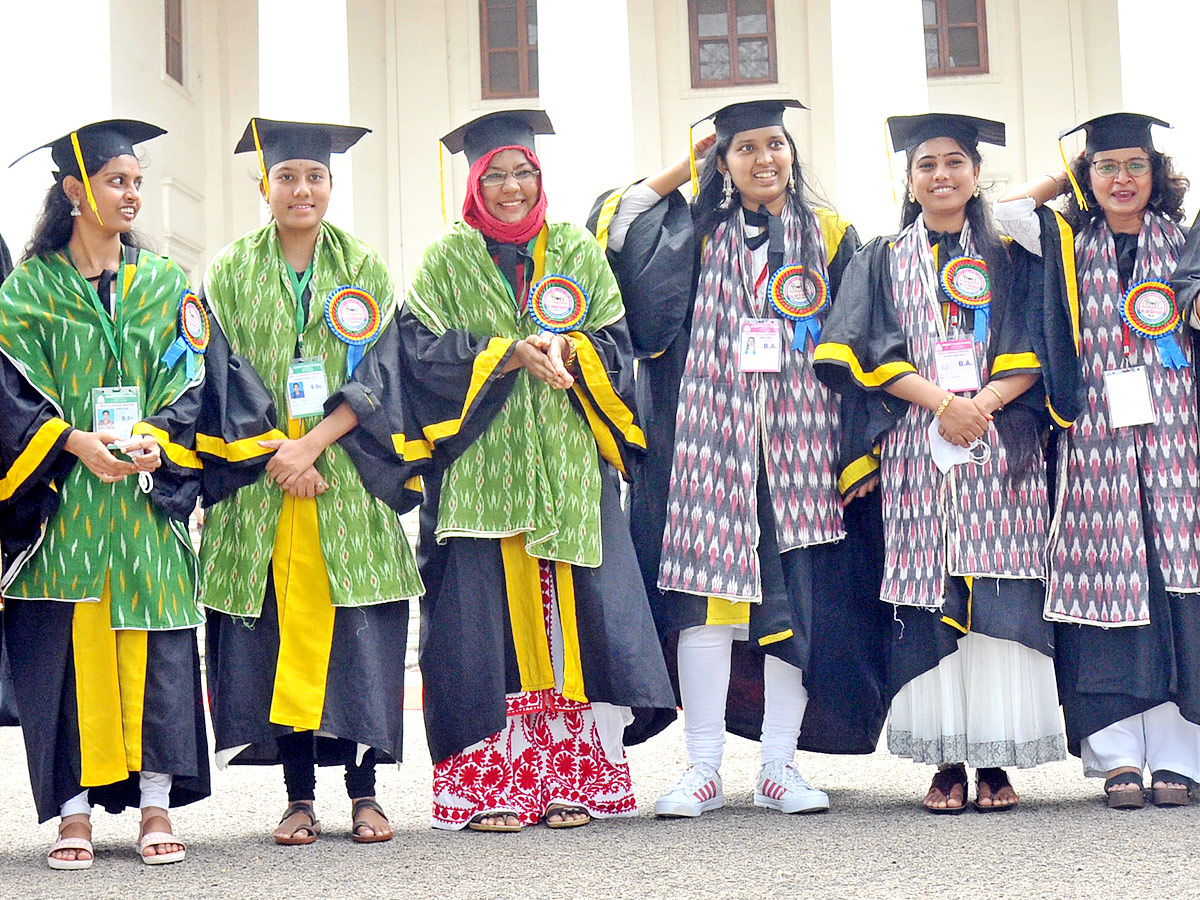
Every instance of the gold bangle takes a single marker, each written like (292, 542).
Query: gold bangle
(569, 362)
(988, 387)
(942, 406)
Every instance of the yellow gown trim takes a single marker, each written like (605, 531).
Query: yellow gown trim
(31, 456)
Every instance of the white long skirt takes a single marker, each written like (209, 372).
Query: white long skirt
(989, 703)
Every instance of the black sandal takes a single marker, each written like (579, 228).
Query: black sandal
(1125, 799)
(376, 836)
(996, 779)
(1172, 796)
(945, 780)
(311, 830)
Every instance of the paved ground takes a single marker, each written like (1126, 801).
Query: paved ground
(875, 842)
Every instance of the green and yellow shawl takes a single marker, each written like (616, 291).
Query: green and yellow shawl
(364, 547)
(50, 328)
(535, 470)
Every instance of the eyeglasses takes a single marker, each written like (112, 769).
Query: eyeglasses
(495, 179)
(1108, 168)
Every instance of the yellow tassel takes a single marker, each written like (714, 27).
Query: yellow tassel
(442, 180)
(1071, 175)
(692, 159)
(87, 182)
(262, 166)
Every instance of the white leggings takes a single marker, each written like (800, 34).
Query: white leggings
(155, 787)
(1159, 738)
(704, 664)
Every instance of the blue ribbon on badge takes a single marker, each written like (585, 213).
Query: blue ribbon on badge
(353, 315)
(194, 334)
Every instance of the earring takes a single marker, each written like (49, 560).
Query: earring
(912, 198)
(975, 193)
(75, 208)
(792, 183)
(727, 192)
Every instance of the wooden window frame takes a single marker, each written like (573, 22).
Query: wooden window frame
(942, 29)
(522, 49)
(731, 39)
(173, 41)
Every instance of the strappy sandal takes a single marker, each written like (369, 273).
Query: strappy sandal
(564, 810)
(996, 779)
(477, 823)
(158, 838)
(376, 836)
(1125, 799)
(311, 830)
(1170, 796)
(945, 780)
(71, 843)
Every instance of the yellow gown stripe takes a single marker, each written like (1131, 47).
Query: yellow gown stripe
(876, 378)
(605, 441)
(1066, 244)
(239, 450)
(965, 629)
(607, 210)
(32, 456)
(833, 229)
(306, 614)
(523, 585)
(1015, 363)
(775, 638)
(1062, 423)
(110, 689)
(856, 473)
(177, 453)
(484, 366)
(595, 376)
(572, 659)
(727, 612)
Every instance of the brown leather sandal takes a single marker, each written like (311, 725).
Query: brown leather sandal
(301, 834)
(376, 836)
(1170, 796)
(944, 781)
(1125, 799)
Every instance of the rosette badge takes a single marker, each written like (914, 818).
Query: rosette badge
(798, 294)
(194, 333)
(1150, 310)
(557, 303)
(966, 281)
(352, 314)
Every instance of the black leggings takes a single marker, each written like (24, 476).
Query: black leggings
(298, 754)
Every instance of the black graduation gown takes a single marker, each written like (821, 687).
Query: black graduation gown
(826, 595)
(230, 404)
(411, 378)
(871, 341)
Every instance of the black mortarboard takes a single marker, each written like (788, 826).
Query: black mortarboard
(506, 128)
(747, 116)
(297, 140)
(98, 143)
(1116, 131)
(911, 131)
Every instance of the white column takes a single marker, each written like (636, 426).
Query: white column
(591, 106)
(304, 74)
(1161, 82)
(878, 70)
(57, 76)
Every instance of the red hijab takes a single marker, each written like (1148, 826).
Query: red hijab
(476, 215)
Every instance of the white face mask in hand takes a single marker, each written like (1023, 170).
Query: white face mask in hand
(947, 455)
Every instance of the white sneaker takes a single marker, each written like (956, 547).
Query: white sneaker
(697, 791)
(781, 787)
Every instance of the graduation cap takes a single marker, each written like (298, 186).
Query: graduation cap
(912, 131)
(95, 144)
(1114, 131)
(506, 128)
(482, 135)
(276, 141)
(745, 116)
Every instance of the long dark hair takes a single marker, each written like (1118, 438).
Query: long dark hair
(1166, 194)
(707, 213)
(1018, 426)
(54, 225)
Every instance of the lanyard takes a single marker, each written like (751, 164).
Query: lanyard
(298, 286)
(537, 249)
(110, 328)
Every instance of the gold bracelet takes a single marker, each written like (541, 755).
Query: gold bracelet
(569, 362)
(988, 387)
(942, 406)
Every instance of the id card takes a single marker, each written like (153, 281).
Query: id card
(1128, 395)
(760, 346)
(957, 369)
(307, 389)
(116, 410)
